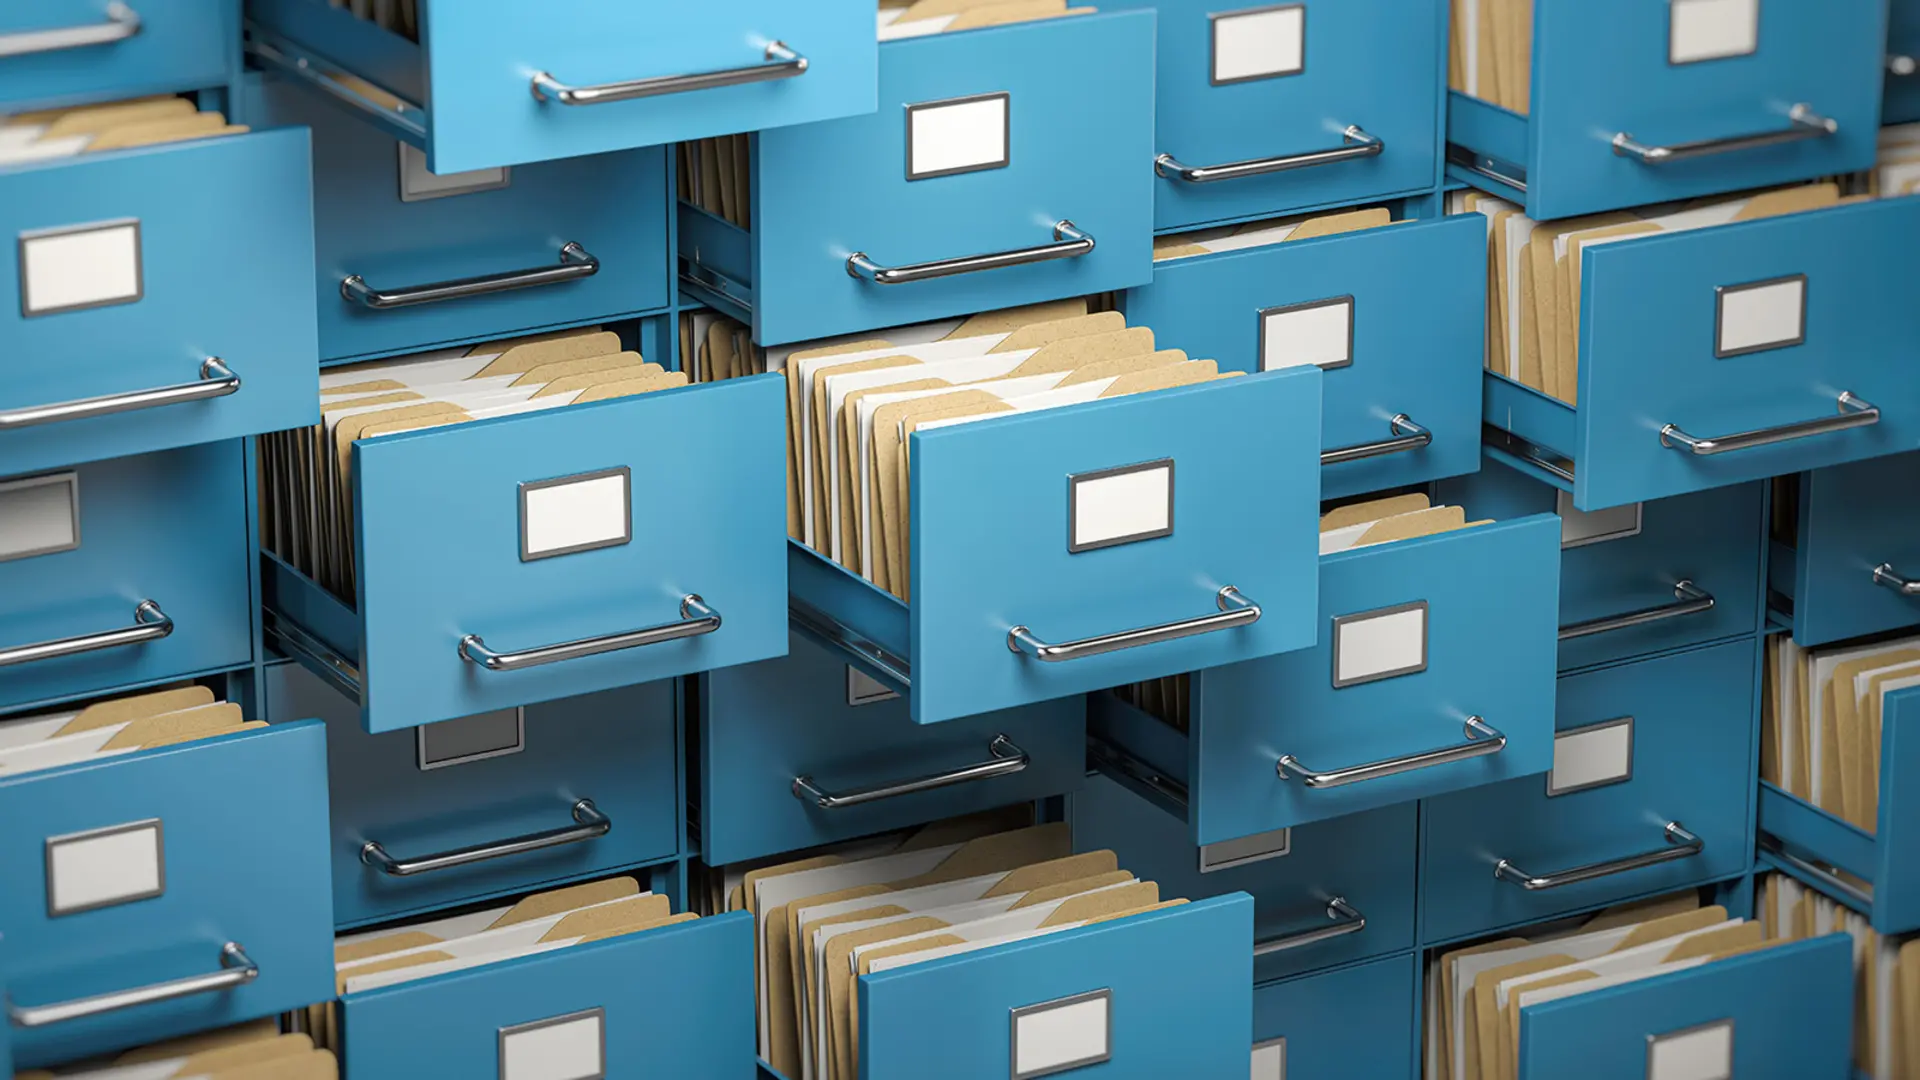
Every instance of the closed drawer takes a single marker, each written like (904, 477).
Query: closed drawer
(191, 861)
(1357, 1021)
(406, 258)
(479, 85)
(1394, 316)
(696, 581)
(1685, 385)
(127, 285)
(486, 805)
(124, 572)
(64, 51)
(1854, 566)
(1165, 993)
(1346, 111)
(1323, 894)
(1648, 793)
(992, 548)
(675, 1000)
(1902, 102)
(805, 750)
(1669, 101)
(1006, 165)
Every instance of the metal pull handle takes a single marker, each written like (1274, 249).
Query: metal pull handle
(216, 380)
(122, 22)
(236, 970)
(592, 825)
(1883, 575)
(576, 263)
(149, 624)
(696, 618)
(1346, 921)
(1004, 759)
(1854, 413)
(781, 63)
(1235, 610)
(1902, 66)
(1355, 144)
(1681, 844)
(1407, 435)
(1804, 124)
(1069, 243)
(1689, 599)
(1482, 741)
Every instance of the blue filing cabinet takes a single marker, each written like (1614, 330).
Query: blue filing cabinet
(1851, 566)
(63, 52)
(1902, 102)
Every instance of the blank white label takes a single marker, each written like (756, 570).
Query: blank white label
(1579, 527)
(1270, 1060)
(82, 267)
(966, 135)
(39, 516)
(1372, 646)
(1591, 756)
(418, 183)
(1259, 44)
(1061, 1035)
(1712, 29)
(566, 1049)
(1245, 849)
(1320, 333)
(103, 867)
(1119, 506)
(562, 516)
(1702, 1053)
(1765, 316)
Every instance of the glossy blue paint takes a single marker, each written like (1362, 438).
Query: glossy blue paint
(1080, 149)
(614, 205)
(1368, 859)
(1901, 105)
(243, 823)
(764, 724)
(1692, 746)
(1357, 1021)
(1419, 312)
(1181, 1005)
(181, 45)
(225, 242)
(1790, 1005)
(169, 527)
(1854, 518)
(1599, 70)
(473, 66)
(678, 1001)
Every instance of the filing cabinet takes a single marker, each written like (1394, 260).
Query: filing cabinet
(61, 52)
(1851, 565)
(1353, 1021)
(1902, 102)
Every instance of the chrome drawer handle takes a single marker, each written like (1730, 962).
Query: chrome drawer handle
(216, 380)
(1854, 413)
(1355, 144)
(782, 63)
(592, 825)
(1407, 435)
(1346, 921)
(1902, 66)
(1004, 759)
(1235, 610)
(1681, 844)
(576, 263)
(696, 618)
(149, 624)
(1069, 243)
(236, 970)
(1805, 124)
(1689, 599)
(1483, 740)
(122, 22)
(1883, 575)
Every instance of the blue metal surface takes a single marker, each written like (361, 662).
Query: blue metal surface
(1358, 1021)
(1901, 105)
(1854, 518)
(181, 45)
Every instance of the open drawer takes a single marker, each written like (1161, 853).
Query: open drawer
(1356, 1021)
(65, 51)
(484, 83)
(1853, 565)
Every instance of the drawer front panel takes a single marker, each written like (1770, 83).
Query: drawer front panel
(1902, 102)
(66, 51)
(1853, 521)
(1357, 1021)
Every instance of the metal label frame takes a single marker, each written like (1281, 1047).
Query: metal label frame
(1554, 793)
(1006, 136)
(1074, 480)
(1720, 294)
(1267, 313)
(1426, 633)
(1013, 1035)
(407, 195)
(153, 824)
(1563, 502)
(856, 697)
(626, 536)
(1674, 5)
(1280, 1042)
(1285, 849)
(1656, 1040)
(71, 478)
(1213, 45)
(139, 265)
(598, 1013)
(420, 743)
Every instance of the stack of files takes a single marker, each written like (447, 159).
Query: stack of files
(1897, 169)
(1886, 997)
(1491, 52)
(116, 726)
(400, 16)
(925, 17)
(1821, 724)
(714, 348)
(255, 1051)
(306, 474)
(114, 125)
(1256, 234)
(1534, 308)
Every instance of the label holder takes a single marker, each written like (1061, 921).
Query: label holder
(597, 1015)
(54, 843)
(1213, 45)
(528, 487)
(1721, 293)
(1268, 314)
(1340, 622)
(71, 481)
(1104, 1054)
(28, 239)
(1006, 135)
(424, 760)
(1626, 721)
(1074, 480)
